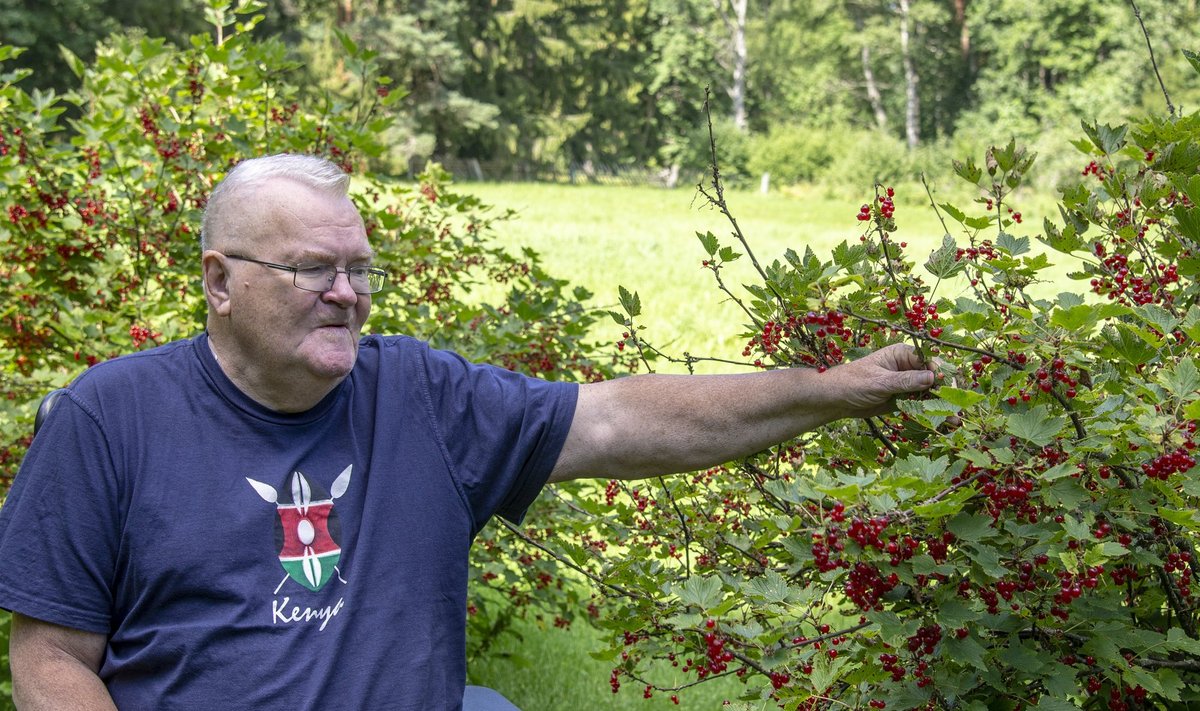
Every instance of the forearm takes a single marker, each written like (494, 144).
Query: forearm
(55, 668)
(659, 424)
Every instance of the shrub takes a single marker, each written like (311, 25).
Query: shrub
(1023, 537)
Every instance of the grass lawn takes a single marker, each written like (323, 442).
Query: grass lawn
(551, 670)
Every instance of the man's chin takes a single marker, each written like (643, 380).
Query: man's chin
(333, 361)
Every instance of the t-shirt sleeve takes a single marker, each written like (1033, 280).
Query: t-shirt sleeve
(502, 431)
(58, 547)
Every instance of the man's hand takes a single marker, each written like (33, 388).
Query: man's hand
(869, 385)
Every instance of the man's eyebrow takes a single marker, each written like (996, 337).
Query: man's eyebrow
(313, 256)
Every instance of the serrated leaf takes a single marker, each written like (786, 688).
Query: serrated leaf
(770, 587)
(1178, 640)
(1015, 246)
(1077, 318)
(1189, 221)
(1193, 59)
(1036, 425)
(1066, 492)
(1181, 517)
(955, 613)
(1128, 343)
(1182, 380)
(1158, 317)
(943, 262)
(1076, 529)
(708, 241)
(988, 560)
(954, 213)
(958, 397)
(971, 527)
(1060, 680)
(348, 44)
(631, 302)
(1021, 656)
(946, 506)
(826, 671)
(704, 593)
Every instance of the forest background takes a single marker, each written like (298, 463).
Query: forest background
(838, 92)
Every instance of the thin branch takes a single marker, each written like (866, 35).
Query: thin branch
(1145, 33)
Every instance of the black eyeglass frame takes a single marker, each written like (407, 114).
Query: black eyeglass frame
(370, 273)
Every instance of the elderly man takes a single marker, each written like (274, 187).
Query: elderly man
(277, 513)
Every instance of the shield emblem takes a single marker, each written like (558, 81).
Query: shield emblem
(306, 529)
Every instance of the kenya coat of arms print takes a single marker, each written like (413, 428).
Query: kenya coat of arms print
(307, 529)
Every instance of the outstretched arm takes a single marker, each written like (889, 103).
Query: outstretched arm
(56, 667)
(649, 425)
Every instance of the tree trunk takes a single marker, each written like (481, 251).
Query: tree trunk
(873, 94)
(912, 112)
(345, 12)
(964, 32)
(736, 25)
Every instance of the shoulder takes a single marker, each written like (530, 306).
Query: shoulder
(164, 370)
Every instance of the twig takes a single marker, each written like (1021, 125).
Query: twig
(1138, 14)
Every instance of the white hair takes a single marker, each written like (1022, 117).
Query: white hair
(223, 202)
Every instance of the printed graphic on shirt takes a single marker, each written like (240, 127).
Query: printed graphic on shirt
(307, 529)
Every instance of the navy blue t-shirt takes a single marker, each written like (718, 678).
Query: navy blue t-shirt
(239, 558)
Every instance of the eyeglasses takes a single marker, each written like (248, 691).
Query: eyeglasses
(320, 277)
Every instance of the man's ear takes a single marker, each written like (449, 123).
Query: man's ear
(216, 282)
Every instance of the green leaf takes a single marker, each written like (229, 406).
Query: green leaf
(954, 213)
(1178, 640)
(348, 44)
(958, 397)
(971, 527)
(709, 241)
(1181, 517)
(1193, 59)
(1182, 380)
(1060, 681)
(943, 262)
(1158, 317)
(1189, 221)
(770, 587)
(1067, 493)
(704, 593)
(1015, 246)
(1106, 138)
(632, 303)
(1128, 343)
(988, 560)
(1036, 425)
(1020, 655)
(954, 614)
(826, 671)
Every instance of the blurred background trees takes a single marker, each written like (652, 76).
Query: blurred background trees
(838, 91)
